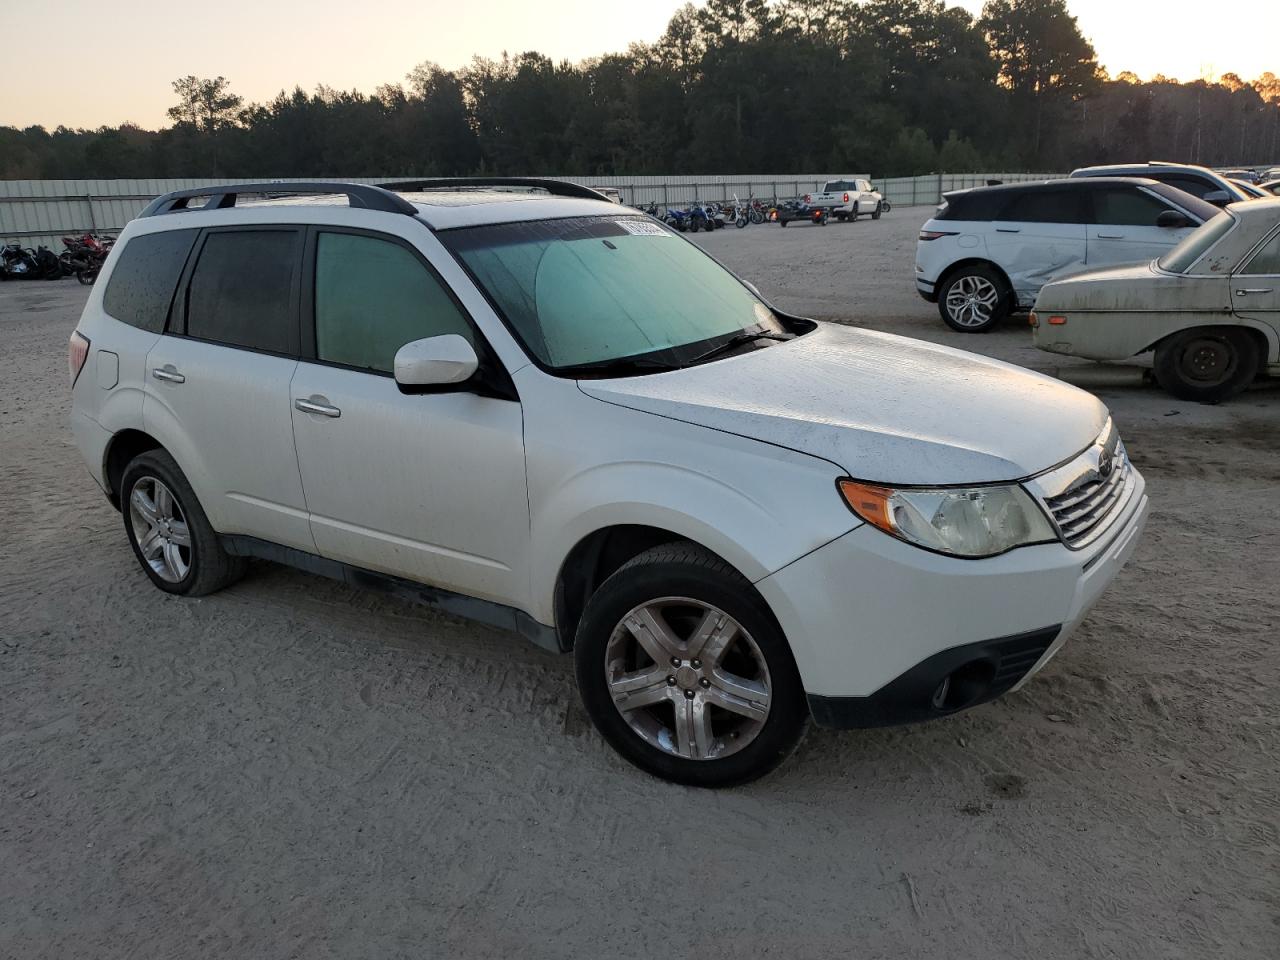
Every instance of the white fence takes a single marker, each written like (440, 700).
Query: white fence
(41, 212)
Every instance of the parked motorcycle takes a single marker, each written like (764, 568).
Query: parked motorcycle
(85, 255)
(18, 262)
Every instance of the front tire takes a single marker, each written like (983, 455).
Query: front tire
(974, 299)
(171, 536)
(685, 672)
(1207, 364)
(875, 214)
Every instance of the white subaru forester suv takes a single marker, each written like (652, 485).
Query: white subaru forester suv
(522, 404)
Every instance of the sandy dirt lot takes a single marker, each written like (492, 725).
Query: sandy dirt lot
(295, 769)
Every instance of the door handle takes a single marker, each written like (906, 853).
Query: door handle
(167, 373)
(317, 405)
(1111, 236)
(1008, 229)
(1248, 290)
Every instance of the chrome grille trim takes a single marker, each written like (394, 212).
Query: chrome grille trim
(1086, 495)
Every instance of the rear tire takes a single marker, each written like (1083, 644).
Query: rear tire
(974, 299)
(1207, 364)
(667, 718)
(169, 532)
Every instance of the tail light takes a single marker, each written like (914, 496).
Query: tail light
(934, 234)
(1057, 321)
(1033, 320)
(806, 198)
(846, 198)
(77, 354)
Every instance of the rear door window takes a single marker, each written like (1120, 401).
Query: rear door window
(243, 290)
(1126, 206)
(145, 276)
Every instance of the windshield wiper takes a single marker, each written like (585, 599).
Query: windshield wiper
(620, 366)
(737, 340)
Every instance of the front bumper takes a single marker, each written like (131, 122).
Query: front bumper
(872, 619)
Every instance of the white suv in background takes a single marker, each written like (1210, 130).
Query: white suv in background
(520, 403)
(987, 251)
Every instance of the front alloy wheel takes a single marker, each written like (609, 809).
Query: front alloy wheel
(687, 678)
(685, 671)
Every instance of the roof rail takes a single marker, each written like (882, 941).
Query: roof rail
(558, 188)
(361, 195)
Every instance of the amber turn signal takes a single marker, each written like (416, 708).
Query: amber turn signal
(870, 502)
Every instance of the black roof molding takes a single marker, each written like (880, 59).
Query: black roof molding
(557, 188)
(224, 196)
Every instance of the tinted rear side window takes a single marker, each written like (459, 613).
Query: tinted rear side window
(144, 278)
(1044, 206)
(241, 290)
(1192, 185)
(1126, 206)
(974, 206)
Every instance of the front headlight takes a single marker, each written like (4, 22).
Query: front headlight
(961, 521)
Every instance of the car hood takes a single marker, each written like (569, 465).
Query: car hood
(883, 408)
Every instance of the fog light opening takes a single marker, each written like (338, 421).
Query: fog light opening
(965, 686)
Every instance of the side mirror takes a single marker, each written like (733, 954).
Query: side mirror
(444, 361)
(1172, 219)
(1219, 198)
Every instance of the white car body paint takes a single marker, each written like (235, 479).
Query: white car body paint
(741, 455)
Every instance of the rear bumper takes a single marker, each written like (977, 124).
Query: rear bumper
(91, 440)
(927, 290)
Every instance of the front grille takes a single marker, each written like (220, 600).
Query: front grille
(1084, 510)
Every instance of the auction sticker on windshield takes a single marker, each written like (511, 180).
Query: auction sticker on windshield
(642, 228)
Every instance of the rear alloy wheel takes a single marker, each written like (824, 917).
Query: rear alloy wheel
(168, 530)
(1208, 364)
(973, 300)
(685, 672)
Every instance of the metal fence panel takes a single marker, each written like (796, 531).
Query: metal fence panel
(41, 212)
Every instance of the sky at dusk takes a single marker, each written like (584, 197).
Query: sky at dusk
(107, 63)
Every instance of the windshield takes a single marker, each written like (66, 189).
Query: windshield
(592, 290)
(1195, 244)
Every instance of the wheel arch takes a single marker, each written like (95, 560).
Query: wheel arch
(596, 557)
(959, 265)
(1265, 336)
(121, 449)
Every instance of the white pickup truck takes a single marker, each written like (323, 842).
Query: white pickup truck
(848, 198)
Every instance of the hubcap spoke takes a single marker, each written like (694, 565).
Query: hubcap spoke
(164, 501)
(144, 505)
(739, 695)
(151, 544)
(173, 561)
(694, 737)
(653, 635)
(712, 637)
(179, 535)
(641, 688)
